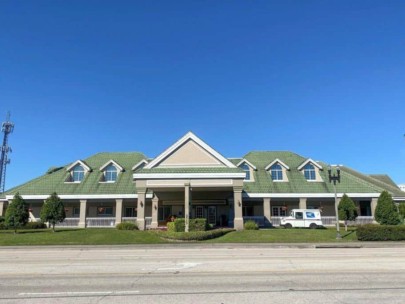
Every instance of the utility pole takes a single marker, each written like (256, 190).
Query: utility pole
(7, 128)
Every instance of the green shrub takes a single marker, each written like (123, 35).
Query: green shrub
(251, 225)
(401, 209)
(3, 226)
(35, 225)
(171, 227)
(386, 212)
(374, 232)
(2, 219)
(195, 235)
(127, 226)
(197, 224)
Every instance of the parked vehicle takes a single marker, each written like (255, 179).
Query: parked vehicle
(303, 218)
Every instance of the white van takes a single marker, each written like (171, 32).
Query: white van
(303, 218)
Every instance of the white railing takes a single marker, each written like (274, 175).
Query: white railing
(275, 220)
(258, 219)
(69, 222)
(100, 222)
(331, 220)
(129, 219)
(148, 222)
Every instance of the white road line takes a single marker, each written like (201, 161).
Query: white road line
(74, 293)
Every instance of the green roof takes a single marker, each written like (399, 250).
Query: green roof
(351, 180)
(54, 179)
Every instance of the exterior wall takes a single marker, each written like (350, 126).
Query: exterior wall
(190, 154)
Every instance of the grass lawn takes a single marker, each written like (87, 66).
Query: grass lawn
(94, 236)
(91, 236)
(281, 235)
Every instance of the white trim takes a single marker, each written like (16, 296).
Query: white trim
(309, 160)
(187, 175)
(116, 165)
(81, 163)
(143, 161)
(248, 162)
(80, 196)
(309, 195)
(274, 162)
(180, 142)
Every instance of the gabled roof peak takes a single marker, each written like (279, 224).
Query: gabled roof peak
(190, 136)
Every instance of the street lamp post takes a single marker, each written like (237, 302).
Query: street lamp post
(333, 178)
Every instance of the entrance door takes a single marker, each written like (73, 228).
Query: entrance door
(212, 215)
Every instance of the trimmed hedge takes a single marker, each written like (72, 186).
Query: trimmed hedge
(195, 235)
(197, 224)
(381, 232)
(251, 225)
(127, 226)
(35, 225)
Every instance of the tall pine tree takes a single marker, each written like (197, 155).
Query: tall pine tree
(386, 212)
(53, 210)
(17, 213)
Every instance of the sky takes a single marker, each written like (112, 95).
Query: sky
(323, 79)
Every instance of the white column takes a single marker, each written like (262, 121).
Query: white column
(237, 202)
(303, 203)
(140, 213)
(373, 205)
(83, 208)
(155, 207)
(1, 208)
(267, 211)
(118, 211)
(186, 206)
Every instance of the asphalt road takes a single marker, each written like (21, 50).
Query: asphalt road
(201, 274)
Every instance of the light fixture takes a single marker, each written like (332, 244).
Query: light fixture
(141, 204)
(239, 203)
(155, 207)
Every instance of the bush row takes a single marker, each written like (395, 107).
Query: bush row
(29, 225)
(127, 226)
(195, 235)
(198, 224)
(381, 233)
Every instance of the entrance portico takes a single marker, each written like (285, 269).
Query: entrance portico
(193, 174)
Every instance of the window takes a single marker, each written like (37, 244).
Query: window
(279, 211)
(164, 213)
(77, 173)
(309, 172)
(199, 212)
(104, 211)
(299, 215)
(110, 173)
(76, 212)
(276, 172)
(247, 211)
(246, 168)
(130, 212)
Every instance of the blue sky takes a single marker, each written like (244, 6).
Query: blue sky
(324, 79)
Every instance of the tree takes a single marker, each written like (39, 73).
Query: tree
(347, 210)
(401, 209)
(386, 212)
(17, 213)
(53, 210)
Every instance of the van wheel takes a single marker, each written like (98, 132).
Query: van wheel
(313, 226)
(287, 226)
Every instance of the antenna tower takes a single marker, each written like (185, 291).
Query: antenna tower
(7, 128)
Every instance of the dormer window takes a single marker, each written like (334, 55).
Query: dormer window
(276, 172)
(110, 173)
(110, 170)
(77, 174)
(248, 167)
(309, 172)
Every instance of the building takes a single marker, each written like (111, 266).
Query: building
(190, 177)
